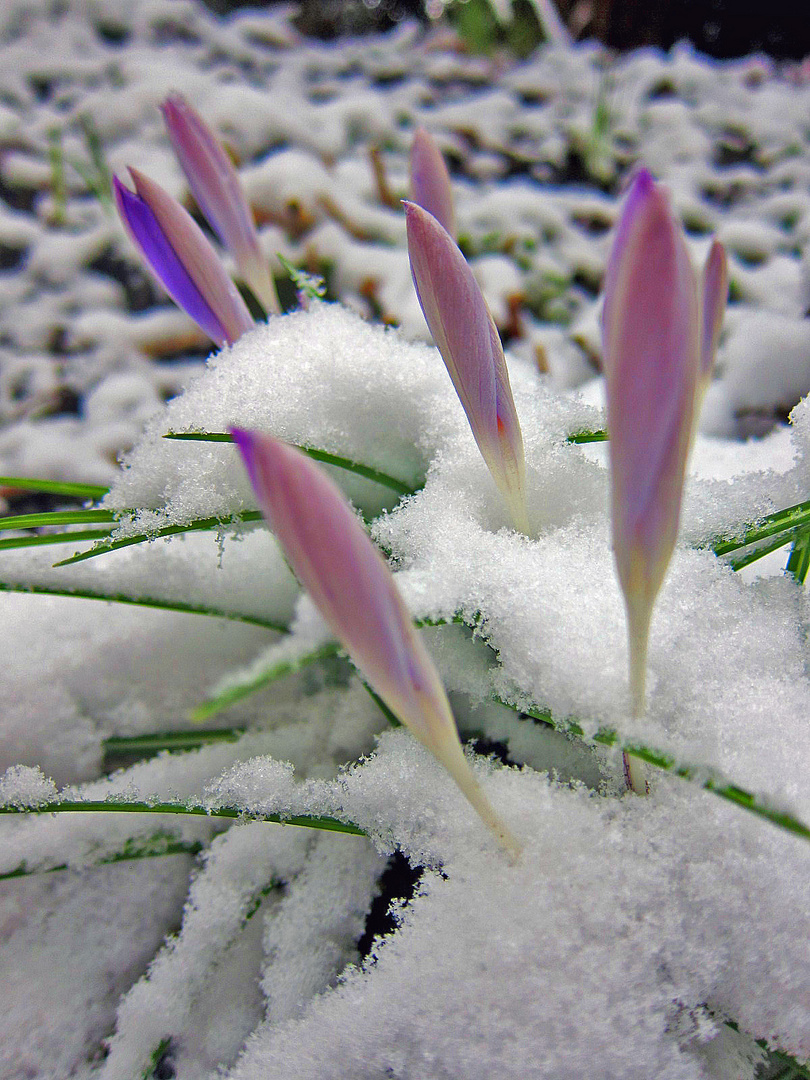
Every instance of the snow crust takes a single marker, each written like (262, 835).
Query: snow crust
(631, 929)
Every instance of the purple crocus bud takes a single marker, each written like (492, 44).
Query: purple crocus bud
(182, 259)
(652, 353)
(215, 185)
(466, 336)
(715, 294)
(354, 590)
(430, 180)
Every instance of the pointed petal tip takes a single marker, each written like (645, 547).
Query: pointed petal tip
(243, 438)
(247, 443)
(643, 180)
(173, 103)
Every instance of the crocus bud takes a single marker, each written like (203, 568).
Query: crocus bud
(430, 180)
(215, 185)
(715, 293)
(652, 359)
(181, 258)
(467, 338)
(352, 587)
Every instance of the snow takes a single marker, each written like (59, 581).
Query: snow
(631, 928)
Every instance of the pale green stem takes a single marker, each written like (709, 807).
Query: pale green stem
(639, 614)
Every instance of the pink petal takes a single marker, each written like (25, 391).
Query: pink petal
(198, 257)
(162, 260)
(430, 180)
(354, 590)
(466, 336)
(715, 294)
(215, 185)
(652, 341)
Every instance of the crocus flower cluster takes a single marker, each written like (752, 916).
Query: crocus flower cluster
(660, 326)
(175, 248)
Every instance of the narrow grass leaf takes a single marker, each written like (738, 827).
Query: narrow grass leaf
(366, 471)
(798, 563)
(155, 847)
(141, 601)
(122, 806)
(55, 517)
(54, 487)
(706, 778)
(238, 690)
(199, 525)
(587, 437)
(9, 543)
(768, 525)
(173, 741)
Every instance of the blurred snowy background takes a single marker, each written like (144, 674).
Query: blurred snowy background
(633, 932)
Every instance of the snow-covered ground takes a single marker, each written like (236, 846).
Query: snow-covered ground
(631, 930)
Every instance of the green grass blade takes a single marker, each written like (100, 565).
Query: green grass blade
(199, 525)
(142, 601)
(125, 806)
(54, 487)
(96, 151)
(790, 1069)
(275, 671)
(56, 160)
(288, 667)
(340, 462)
(779, 521)
(713, 782)
(389, 715)
(155, 847)
(10, 542)
(587, 437)
(150, 1071)
(798, 563)
(55, 517)
(761, 550)
(173, 741)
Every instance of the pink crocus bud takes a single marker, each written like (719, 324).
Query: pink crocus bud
(215, 185)
(181, 258)
(467, 338)
(652, 360)
(354, 590)
(430, 180)
(715, 294)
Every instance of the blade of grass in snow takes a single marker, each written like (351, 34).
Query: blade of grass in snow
(54, 487)
(55, 517)
(791, 1068)
(768, 525)
(764, 549)
(239, 690)
(56, 160)
(173, 741)
(366, 471)
(588, 437)
(114, 806)
(154, 1059)
(798, 562)
(199, 525)
(708, 779)
(40, 539)
(142, 601)
(155, 847)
